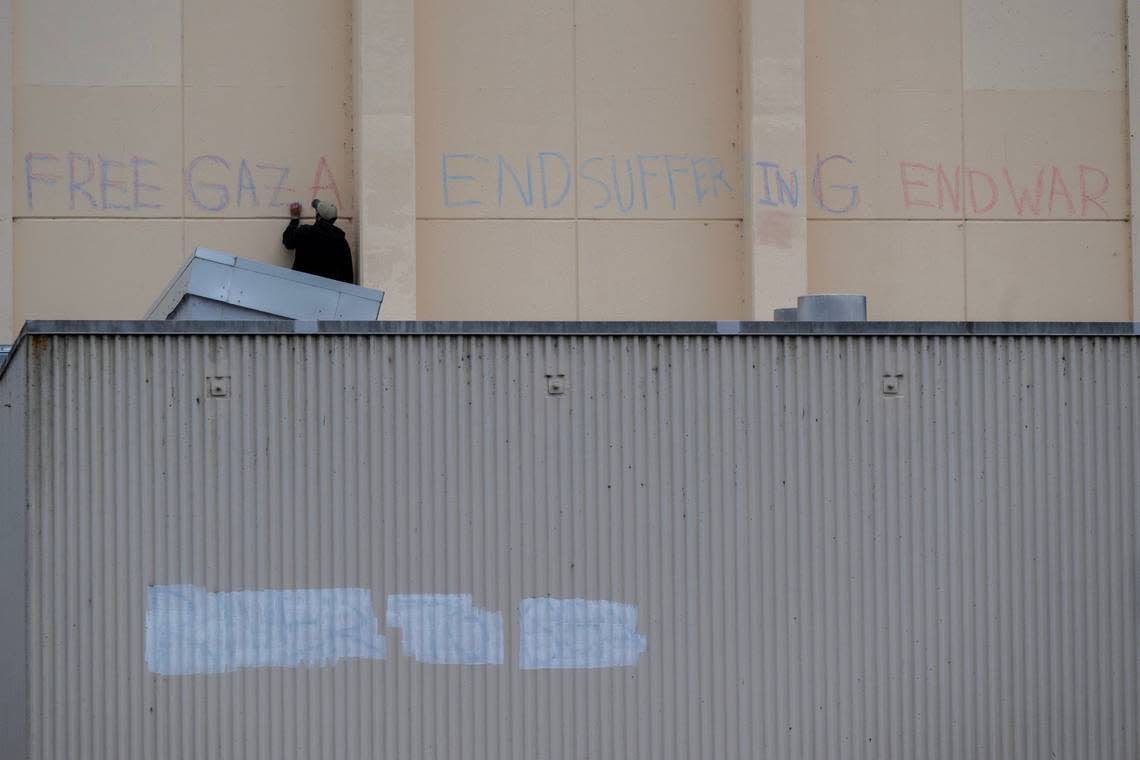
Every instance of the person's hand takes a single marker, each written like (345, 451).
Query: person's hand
(295, 210)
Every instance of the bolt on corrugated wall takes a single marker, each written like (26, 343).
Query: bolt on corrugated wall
(524, 546)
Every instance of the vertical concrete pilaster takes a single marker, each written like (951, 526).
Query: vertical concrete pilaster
(773, 105)
(7, 329)
(1133, 31)
(384, 151)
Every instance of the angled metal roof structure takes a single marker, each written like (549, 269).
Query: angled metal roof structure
(215, 285)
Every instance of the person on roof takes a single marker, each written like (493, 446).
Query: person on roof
(321, 247)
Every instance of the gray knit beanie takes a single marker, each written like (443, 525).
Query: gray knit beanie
(325, 210)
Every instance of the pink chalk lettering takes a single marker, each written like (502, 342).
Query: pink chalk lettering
(1086, 197)
(318, 185)
(955, 190)
(908, 183)
(1058, 180)
(970, 175)
(1022, 199)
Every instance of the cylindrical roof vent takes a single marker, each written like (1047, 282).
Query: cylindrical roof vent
(832, 307)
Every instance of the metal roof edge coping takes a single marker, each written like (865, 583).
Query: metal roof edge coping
(582, 329)
(393, 327)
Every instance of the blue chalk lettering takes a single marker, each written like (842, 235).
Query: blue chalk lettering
(617, 186)
(718, 176)
(542, 156)
(107, 183)
(788, 194)
(139, 186)
(767, 199)
(30, 176)
(457, 178)
(245, 182)
(670, 170)
(505, 168)
(817, 186)
(223, 193)
(600, 183)
(282, 177)
(642, 173)
(698, 189)
(74, 184)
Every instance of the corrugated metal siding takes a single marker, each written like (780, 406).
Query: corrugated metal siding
(821, 571)
(14, 558)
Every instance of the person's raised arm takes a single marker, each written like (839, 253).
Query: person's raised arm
(292, 233)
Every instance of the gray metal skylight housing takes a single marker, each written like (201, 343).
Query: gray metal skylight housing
(217, 286)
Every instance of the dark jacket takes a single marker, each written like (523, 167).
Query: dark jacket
(321, 249)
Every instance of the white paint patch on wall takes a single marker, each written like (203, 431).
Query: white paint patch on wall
(578, 633)
(190, 631)
(446, 629)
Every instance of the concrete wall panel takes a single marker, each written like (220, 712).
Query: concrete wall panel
(884, 154)
(92, 268)
(98, 151)
(884, 44)
(907, 270)
(648, 154)
(1043, 45)
(293, 44)
(494, 90)
(662, 270)
(1048, 271)
(1046, 155)
(251, 150)
(659, 79)
(99, 42)
(493, 269)
(884, 91)
(495, 152)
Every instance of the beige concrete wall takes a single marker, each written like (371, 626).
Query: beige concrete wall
(970, 157)
(144, 130)
(579, 160)
(562, 159)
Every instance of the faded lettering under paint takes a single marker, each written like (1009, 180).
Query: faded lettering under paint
(190, 631)
(578, 633)
(446, 629)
